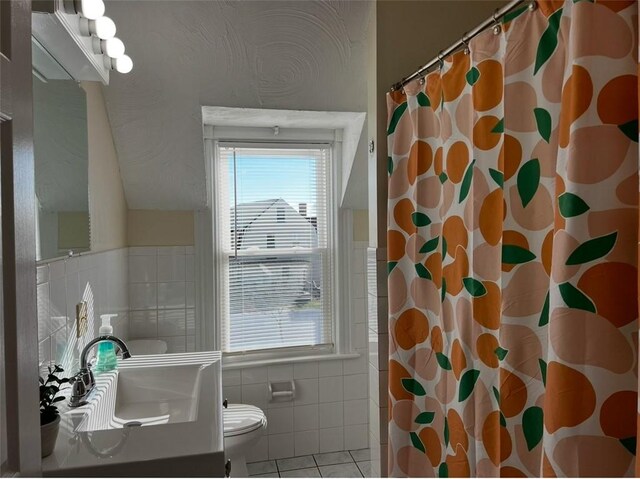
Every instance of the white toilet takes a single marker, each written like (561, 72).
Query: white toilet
(244, 425)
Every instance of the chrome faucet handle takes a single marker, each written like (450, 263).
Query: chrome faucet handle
(80, 388)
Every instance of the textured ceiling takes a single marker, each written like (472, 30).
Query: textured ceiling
(298, 55)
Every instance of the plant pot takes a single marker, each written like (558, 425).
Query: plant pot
(48, 436)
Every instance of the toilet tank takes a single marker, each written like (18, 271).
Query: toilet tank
(142, 347)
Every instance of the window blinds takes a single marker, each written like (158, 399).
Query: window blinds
(274, 236)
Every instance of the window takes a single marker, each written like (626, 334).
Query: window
(274, 247)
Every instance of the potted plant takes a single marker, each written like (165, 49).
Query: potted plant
(49, 415)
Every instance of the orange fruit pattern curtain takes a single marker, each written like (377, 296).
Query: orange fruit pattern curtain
(513, 251)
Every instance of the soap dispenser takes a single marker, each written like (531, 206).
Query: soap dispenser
(106, 358)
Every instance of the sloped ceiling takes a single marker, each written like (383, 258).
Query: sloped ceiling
(298, 55)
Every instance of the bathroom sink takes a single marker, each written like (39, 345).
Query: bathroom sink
(151, 409)
(143, 395)
(157, 395)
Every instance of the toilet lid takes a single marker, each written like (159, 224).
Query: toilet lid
(242, 418)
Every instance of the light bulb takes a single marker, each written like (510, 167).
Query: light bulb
(123, 64)
(103, 28)
(112, 47)
(91, 9)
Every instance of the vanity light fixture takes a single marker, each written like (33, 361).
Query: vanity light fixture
(102, 27)
(111, 47)
(122, 64)
(89, 9)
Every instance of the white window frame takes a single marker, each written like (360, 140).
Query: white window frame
(341, 239)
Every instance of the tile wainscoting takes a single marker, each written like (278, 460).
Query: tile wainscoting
(162, 295)
(100, 279)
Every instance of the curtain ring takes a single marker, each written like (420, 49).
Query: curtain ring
(440, 59)
(496, 28)
(465, 42)
(421, 81)
(532, 6)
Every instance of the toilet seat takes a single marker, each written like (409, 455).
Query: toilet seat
(242, 419)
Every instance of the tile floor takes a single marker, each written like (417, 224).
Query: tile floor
(329, 464)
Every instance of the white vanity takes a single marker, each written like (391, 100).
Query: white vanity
(157, 415)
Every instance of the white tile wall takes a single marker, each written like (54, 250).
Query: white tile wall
(331, 409)
(162, 295)
(98, 278)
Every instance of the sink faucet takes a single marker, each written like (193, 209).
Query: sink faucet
(83, 382)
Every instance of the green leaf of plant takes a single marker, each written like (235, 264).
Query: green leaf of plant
(630, 129)
(576, 299)
(497, 176)
(472, 76)
(543, 370)
(425, 417)
(422, 271)
(390, 266)
(443, 177)
(593, 249)
(423, 100)
(466, 182)
(571, 205)
(499, 128)
(496, 393)
(417, 443)
(514, 254)
(503, 420)
(548, 40)
(532, 426)
(544, 315)
(390, 165)
(630, 444)
(395, 118)
(474, 287)
(543, 120)
(467, 383)
(443, 470)
(501, 353)
(420, 219)
(446, 432)
(528, 181)
(443, 290)
(413, 386)
(430, 245)
(443, 361)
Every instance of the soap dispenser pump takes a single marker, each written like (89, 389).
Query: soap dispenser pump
(106, 358)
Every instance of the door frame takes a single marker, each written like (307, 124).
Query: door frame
(17, 181)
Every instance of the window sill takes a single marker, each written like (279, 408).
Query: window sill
(240, 363)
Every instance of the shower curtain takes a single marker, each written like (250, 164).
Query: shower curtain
(513, 251)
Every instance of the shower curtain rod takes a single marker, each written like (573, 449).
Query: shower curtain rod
(464, 41)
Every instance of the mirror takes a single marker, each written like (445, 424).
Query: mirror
(61, 161)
